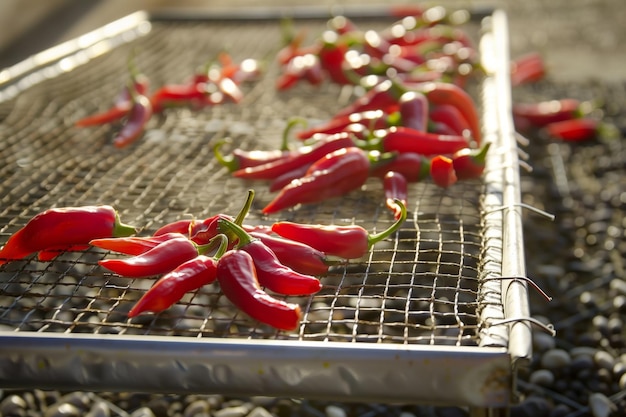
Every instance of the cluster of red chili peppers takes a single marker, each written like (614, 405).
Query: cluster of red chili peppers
(214, 83)
(414, 121)
(250, 263)
(567, 119)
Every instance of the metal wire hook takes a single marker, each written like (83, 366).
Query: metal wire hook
(526, 206)
(548, 328)
(526, 279)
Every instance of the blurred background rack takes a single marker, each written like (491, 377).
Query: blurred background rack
(426, 317)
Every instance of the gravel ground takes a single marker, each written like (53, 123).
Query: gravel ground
(578, 258)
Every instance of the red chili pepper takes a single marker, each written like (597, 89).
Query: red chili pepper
(301, 67)
(372, 119)
(402, 139)
(414, 110)
(442, 171)
(439, 93)
(574, 130)
(187, 277)
(332, 57)
(395, 186)
(138, 117)
(302, 155)
(334, 175)
(121, 106)
(271, 273)
(383, 96)
(545, 112)
(50, 254)
(132, 245)
(413, 166)
(240, 159)
(161, 259)
(451, 117)
(64, 227)
(470, 163)
(192, 93)
(296, 255)
(238, 280)
(111, 115)
(283, 180)
(527, 68)
(348, 242)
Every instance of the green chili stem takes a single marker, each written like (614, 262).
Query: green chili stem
(291, 123)
(245, 209)
(372, 239)
(228, 161)
(231, 228)
(122, 229)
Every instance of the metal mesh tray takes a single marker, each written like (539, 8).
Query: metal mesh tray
(434, 314)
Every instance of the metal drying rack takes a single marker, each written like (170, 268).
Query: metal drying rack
(437, 314)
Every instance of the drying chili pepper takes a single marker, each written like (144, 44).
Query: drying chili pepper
(301, 67)
(161, 259)
(171, 287)
(240, 159)
(348, 242)
(296, 255)
(439, 93)
(132, 245)
(451, 117)
(50, 254)
(527, 68)
(574, 130)
(413, 166)
(396, 189)
(303, 155)
(331, 54)
(470, 163)
(403, 139)
(372, 119)
(414, 110)
(138, 117)
(238, 280)
(121, 105)
(271, 273)
(382, 96)
(545, 112)
(64, 227)
(442, 171)
(283, 180)
(335, 174)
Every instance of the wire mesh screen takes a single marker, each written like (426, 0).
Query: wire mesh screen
(419, 286)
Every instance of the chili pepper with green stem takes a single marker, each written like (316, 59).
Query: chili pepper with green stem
(333, 175)
(271, 273)
(60, 228)
(574, 130)
(403, 139)
(395, 186)
(161, 259)
(171, 287)
(132, 245)
(138, 116)
(413, 166)
(451, 117)
(305, 154)
(470, 163)
(238, 280)
(372, 119)
(348, 242)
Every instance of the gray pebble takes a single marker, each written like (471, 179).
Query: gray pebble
(259, 412)
(99, 409)
(543, 342)
(13, 405)
(335, 411)
(142, 412)
(62, 409)
(234, 411)
(600, 405)
(604, 359)
(555, 358)
(196, 408)
(542, 377)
